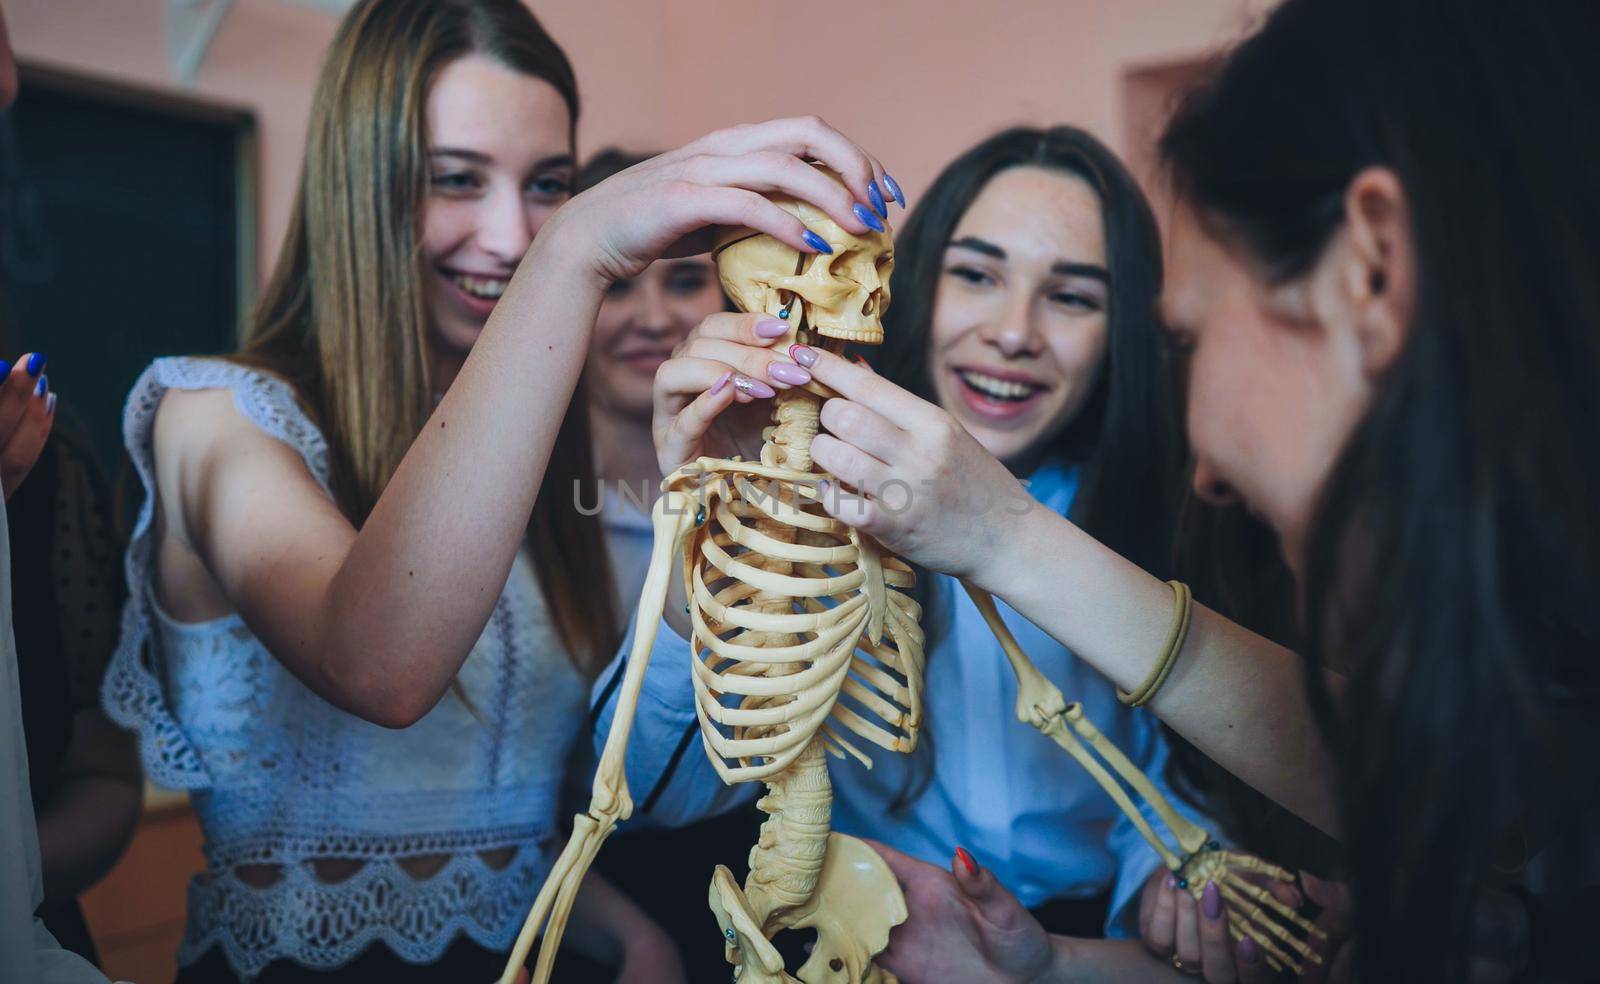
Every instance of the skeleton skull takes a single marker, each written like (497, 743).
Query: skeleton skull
(840, 295)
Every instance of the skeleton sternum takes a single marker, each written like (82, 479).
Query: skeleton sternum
(787, 860)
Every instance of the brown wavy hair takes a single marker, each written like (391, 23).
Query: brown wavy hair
(343, 319)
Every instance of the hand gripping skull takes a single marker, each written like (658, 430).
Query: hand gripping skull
(840, 295)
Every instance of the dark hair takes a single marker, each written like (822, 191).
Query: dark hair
(1454, 558)
(1126, 435)
(1127, 432)
(605, 163)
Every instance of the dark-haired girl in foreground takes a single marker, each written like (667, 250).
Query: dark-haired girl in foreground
(1024, 301)
(1384, 268)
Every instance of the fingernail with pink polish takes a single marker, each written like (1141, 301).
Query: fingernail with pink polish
(804, 355)
(722, 381)
(771, 328)
(1172, 881)
(752, 387)
(1211, 902)
(784, 372)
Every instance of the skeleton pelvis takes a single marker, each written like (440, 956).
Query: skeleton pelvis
(855, 905)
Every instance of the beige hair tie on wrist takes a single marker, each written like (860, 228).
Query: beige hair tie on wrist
(1183, 603)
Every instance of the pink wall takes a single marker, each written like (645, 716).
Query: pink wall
(915, 82)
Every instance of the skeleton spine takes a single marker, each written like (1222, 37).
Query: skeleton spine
(787, 859)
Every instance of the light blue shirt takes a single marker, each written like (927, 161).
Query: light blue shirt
(1023, 807)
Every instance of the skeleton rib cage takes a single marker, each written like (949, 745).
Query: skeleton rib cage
(800, 628)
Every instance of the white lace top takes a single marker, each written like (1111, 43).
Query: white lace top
(279, 776)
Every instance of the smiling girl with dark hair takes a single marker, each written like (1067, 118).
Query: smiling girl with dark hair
(1025, 291)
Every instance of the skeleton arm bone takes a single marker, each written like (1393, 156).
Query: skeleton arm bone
(674, 516)
(1203, 859)
(1041, 703)
(664, 760)
(1238, 697)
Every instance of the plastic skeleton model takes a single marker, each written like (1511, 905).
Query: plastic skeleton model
(803, 638)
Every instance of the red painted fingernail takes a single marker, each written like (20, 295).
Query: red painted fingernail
(803, 354)
(966, 859)
(1211, 902)
(721, 382)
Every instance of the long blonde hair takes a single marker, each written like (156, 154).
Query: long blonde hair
(343, 318)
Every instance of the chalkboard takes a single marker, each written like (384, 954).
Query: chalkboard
(127, 224)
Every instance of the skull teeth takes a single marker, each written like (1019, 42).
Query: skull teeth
(863, 336)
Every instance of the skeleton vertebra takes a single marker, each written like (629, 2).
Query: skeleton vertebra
(803, 639)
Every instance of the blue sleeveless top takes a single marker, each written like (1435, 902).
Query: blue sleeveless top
(280, 777)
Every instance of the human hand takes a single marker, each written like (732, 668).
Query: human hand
(27, 410)
(1336, 920)
(1194, 937)
(922, 485)
(962, 925)
(725, 363)
(671, 205)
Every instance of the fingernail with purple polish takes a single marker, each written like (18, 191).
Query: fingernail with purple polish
(873, 222)
(1249, 950)
(1211, 902)
(722, 381)
(816, 242)
(36, 363)
(771, 328)
(5, 369)
(1172, 881)
(894, 189)
(876, 198)
(805, 355)
(753, 387)
(784, 372)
